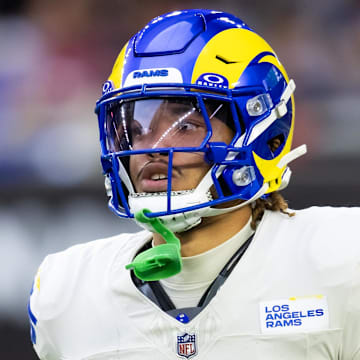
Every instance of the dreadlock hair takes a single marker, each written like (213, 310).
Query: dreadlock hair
(275, 202)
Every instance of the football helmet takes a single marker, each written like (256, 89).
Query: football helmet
(171, 86)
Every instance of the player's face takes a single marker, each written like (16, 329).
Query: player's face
(172, 125)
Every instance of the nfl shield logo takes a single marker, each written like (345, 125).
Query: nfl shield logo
(186, 345)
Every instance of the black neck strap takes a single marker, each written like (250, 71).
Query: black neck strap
(156, 293)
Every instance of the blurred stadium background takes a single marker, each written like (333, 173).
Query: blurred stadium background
(54, 56)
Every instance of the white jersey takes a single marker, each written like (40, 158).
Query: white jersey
(295, 294)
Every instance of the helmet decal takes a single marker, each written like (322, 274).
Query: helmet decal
(107, 87)
(152, 76)
(213, 80)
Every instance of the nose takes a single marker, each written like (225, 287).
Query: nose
(153, 139)
(154, 155)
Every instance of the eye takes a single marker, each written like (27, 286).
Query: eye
(137, 129)
(187, 126)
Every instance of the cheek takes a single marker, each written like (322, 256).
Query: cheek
(184, 159)
(221, 132)
(192, 166)
(133, 167)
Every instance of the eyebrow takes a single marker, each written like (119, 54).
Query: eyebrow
(180, 108)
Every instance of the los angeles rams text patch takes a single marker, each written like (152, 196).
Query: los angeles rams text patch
(295, 314)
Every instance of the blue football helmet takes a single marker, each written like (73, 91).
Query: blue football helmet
(179, 85)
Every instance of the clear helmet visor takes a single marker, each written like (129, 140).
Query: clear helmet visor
(155, 123)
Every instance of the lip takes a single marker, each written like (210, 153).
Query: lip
(144, 181)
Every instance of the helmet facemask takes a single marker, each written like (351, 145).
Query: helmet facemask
(164, 129)
(154, 140)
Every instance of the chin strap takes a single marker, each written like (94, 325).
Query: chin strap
(218, 211)
(187, 220)
(159, 262)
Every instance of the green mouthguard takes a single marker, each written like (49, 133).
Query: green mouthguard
(159, 262)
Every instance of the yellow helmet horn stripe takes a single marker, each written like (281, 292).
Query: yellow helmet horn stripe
(117, 70)
(223, 44)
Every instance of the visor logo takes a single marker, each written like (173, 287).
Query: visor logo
(213, 80)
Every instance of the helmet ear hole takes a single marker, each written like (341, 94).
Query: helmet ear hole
(224, 186)
(226, 191)
(275, 143)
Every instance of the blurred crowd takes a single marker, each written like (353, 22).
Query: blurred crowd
(54, 57)
(56, 54)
